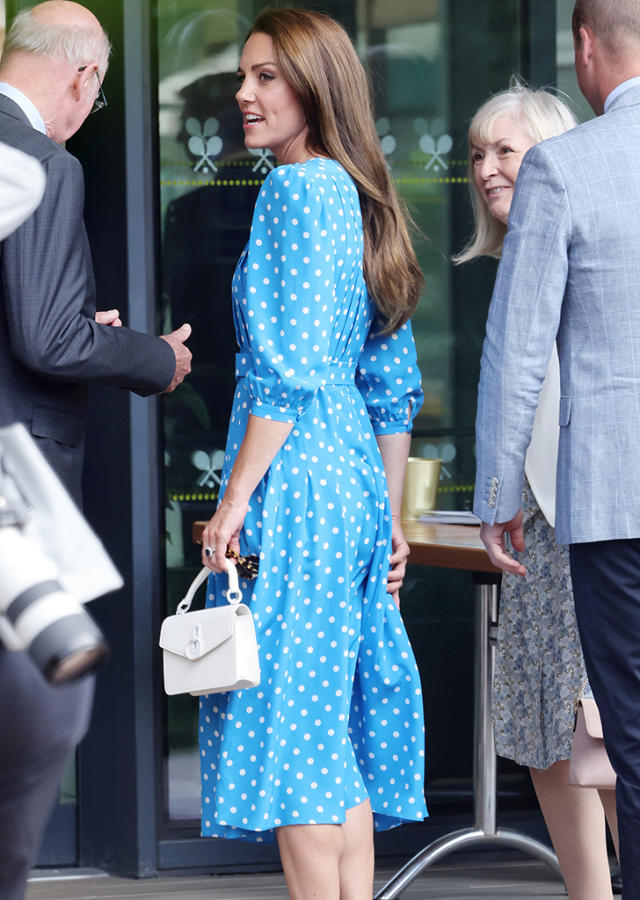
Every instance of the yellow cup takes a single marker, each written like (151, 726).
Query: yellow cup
(420, 486)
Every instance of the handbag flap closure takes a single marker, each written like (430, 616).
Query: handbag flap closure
(591, 717)
(194, 634)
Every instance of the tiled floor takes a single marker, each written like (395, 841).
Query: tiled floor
(482, 879)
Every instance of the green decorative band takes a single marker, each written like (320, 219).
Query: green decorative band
(256, 182)
(452, 180)
(192, 498)
(251, 163)
(220, 182)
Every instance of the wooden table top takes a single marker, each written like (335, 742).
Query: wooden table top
(445, 546)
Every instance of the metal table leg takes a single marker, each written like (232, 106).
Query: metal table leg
(484, 764)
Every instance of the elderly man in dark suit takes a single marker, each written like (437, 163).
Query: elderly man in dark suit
(52, 346)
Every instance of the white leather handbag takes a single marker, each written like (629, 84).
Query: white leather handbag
(209, 651)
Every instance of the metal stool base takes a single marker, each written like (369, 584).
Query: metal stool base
(456, 840)
(484, 830)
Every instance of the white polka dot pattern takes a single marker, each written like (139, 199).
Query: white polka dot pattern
(337, 718)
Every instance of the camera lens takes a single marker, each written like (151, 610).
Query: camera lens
(52, 626)
(69, 648)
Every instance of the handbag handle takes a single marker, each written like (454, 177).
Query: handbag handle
(576, 702)
(233, 594)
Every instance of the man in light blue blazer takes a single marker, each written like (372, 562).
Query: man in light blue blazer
(570, 272)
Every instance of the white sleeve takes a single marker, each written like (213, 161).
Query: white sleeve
(22, 182)
(541, 460)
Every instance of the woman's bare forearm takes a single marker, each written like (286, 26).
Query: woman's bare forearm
(394, 449)
(261, 443)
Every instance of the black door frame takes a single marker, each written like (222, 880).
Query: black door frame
(122, 825)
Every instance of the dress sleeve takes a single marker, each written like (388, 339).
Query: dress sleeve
(389, 379)
(289, 277)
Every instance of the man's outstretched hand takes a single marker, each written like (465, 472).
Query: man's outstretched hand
(183, 355)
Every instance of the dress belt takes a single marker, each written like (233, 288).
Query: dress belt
(339, 371)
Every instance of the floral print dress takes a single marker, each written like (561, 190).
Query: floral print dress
(540, 671)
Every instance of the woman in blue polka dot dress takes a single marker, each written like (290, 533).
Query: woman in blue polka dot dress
(331, 743)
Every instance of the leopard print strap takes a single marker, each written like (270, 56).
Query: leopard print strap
(247, 565)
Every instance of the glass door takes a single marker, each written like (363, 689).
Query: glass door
(432, 63)
(208, 186)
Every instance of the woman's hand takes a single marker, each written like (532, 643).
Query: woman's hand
(399, 556)
(223, 531)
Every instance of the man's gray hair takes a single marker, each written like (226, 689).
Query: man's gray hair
(78, 46)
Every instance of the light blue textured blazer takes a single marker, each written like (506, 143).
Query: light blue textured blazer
(570, 267)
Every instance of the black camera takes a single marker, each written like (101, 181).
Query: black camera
(51, 563)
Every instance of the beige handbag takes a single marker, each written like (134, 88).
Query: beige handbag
(589, 764)
(209, 651)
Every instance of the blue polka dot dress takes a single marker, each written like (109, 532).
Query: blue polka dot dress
(337, 717)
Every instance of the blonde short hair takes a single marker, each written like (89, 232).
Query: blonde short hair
(541, 115)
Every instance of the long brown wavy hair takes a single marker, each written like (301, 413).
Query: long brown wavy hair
(319, 62)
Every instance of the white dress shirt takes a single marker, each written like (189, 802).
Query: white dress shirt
(35, 119)
(542, 456)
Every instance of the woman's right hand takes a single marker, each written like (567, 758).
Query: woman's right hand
(398, 562)
(223, 531)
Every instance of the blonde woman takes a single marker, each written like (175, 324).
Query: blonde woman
(331, 742)
(540, 671)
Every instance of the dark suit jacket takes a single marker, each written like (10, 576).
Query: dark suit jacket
(51, 348)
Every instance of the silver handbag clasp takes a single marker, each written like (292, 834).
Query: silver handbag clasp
(194, 647)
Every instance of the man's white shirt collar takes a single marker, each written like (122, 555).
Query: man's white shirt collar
(35, 119)
(620, 89)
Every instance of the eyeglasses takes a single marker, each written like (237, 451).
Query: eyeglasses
(101, 101)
